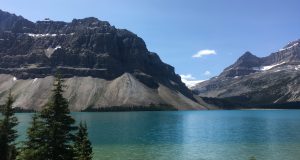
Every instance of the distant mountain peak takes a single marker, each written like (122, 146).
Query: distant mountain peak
(247, 55)
(240, 67)
(252, 80)
(291, 45)
(249, 63)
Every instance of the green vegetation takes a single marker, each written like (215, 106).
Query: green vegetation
(8, 134)
(252, 158)
(82, 146)
(51, 135)
(57, 126)
(31, 148)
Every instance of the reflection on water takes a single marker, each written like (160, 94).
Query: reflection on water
(192, 135)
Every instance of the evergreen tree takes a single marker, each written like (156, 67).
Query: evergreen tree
(58, 125)
(82, 146)
(32, 148)
(53, 140)
(8, 134)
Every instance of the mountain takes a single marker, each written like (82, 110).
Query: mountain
(257, 82)
(102, 66)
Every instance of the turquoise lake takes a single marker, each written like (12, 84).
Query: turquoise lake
(190, 135)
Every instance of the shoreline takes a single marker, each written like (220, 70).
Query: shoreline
(133, 110)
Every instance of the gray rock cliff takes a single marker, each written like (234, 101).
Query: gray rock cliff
(81, 49)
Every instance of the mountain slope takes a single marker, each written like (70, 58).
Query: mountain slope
(86, 51)
(254, 81)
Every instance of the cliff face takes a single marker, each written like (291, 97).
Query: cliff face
(83, 48)
(254, 81)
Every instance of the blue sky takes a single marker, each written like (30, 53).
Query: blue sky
(218, 31)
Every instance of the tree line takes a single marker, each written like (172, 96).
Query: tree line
(51, 136)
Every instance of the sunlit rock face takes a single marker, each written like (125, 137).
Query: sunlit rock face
(83, 48)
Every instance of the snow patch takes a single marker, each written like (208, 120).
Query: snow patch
(294, 45)
(34, 80)
(15, 78)
(57, 47)
(265, 68)
(297, 67)
(41, 35)
(45, 35)
(49, 51)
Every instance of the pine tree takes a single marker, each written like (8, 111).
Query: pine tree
(32, 148)
(53, 140)
(82, 146)
(58, 125)
(8, 134)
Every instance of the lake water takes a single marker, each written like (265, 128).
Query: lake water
(191, 135)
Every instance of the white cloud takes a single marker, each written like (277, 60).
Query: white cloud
(205, 52)
(187, 77)
(207, 73)
(189, 80)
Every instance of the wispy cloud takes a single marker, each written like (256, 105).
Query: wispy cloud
(190, 80)
(204, 52)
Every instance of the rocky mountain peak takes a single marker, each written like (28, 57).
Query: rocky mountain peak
(246, 55)
(249, 63)
(255, 81)
(290, 54)
(83, 47)
(292, 44)
(13, 23)
(247, 60)
(242, 66)
(90, 22)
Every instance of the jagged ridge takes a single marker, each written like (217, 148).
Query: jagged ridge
(254, 81)
(83, 47)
